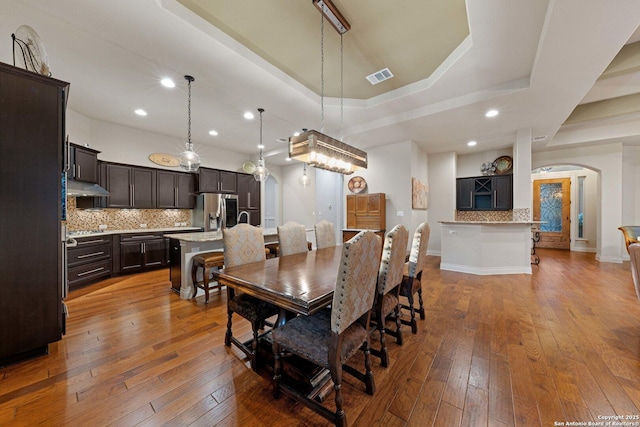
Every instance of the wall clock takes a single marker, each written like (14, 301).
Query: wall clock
(164, 159)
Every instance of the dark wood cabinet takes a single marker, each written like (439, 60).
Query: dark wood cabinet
(89, 261)
(249, 197)
(139, 251)
(217, 181)
(175, 190)
(32, 134)
(485, 193)
(130, 187)
(83, 164)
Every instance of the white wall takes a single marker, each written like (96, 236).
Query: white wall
(469, 165)
(298, 203)
(442, 195)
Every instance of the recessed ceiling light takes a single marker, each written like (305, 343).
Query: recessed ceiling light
(491, 113)
(288, 159)
(141, 112)
(248, 115)
(213, 132)
(260, 146)
(471, 143)
(167, 82)
(296, 134)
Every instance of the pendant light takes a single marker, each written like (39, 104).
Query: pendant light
(189, 159)
(304, 180)
(261, 173)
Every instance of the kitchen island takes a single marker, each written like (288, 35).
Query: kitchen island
(486, 247)
(183, 246)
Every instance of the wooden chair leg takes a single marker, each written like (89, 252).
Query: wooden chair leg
(369, 382)
(277, 368)
(336, 376)
(205, 283)
(384, 355)
(399, 339)
(412, 310)
(255, 326)
(422, 313)
(194, 278)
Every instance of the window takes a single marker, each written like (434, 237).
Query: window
(580, 210)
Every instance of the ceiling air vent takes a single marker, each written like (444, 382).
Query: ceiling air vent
(539, 138)
(379, 76)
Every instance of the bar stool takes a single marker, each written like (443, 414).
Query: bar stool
(206, 261)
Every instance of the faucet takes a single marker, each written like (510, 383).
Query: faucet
(240, 215)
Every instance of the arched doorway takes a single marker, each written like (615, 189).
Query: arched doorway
(567, 199)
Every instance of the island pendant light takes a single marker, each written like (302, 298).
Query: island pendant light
(261, 173)
(189, 159)
(318, 149)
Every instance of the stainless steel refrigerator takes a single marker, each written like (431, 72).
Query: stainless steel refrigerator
(214, 212)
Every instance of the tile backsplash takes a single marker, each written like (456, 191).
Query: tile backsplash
(123, 219)
(518, 214)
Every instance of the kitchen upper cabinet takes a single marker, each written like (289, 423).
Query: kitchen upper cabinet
(485, 193)
(175, 190)
(249, 197)
(130, 187)
(217, 181)
(83, 164)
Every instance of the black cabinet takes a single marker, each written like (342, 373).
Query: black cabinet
(130, 186)
(89, 261)
(32, 134)
(83, 164)
(175, 190)
(139, 251)
(217, 181)
(485, 193)
(249, 197)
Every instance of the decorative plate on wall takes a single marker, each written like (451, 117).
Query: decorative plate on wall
(503, 164)
(164, 159)
(357, 184)
(249, 166)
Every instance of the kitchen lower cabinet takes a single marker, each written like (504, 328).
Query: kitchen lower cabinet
(89, 261)
(139, 252)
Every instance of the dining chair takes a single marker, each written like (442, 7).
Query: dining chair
(325, 234)
(634, 253)
(411, 280)
(388, 288)
(631, 234)
(244, 244)
(292, 239)
(329, 337)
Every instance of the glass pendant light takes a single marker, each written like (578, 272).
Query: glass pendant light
(261, 173)
(304, 180)
(189, 159)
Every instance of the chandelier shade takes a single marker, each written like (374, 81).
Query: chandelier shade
(325, 152)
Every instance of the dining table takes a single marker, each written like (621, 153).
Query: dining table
(299, 284)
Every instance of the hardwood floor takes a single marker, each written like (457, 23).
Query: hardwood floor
(562, 344)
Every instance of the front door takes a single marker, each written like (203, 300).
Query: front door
(552, 205)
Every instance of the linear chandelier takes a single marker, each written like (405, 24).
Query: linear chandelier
(325, 152)
(316, 148)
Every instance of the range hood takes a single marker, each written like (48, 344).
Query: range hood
(86, 189)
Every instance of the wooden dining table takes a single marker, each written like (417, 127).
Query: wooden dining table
(298, 284)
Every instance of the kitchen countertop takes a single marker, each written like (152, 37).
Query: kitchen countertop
(211, 236)
(139, 230)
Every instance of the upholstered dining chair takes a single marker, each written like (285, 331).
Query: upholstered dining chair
(244, 244)
(411, 280)
(631, 234)
(292, 239)
(634, 253)
(325, 234)
(389, 279)
(329, 337)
